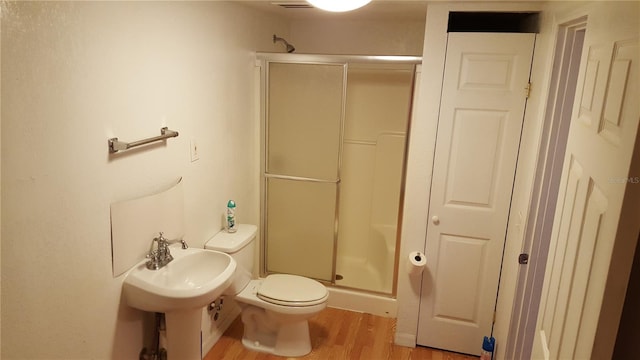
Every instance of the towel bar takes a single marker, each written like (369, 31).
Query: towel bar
(115, 145)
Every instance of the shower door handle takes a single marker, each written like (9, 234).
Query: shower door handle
(300, 178)
(435, 220)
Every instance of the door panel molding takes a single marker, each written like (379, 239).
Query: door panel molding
(476, 151)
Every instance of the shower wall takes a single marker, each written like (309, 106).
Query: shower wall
(377, 113)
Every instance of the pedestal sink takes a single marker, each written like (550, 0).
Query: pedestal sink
(180, 289)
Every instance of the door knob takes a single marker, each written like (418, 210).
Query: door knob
(435, 220)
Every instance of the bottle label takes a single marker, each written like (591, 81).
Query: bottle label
(231, 220)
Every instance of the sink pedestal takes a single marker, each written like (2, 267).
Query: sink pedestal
(183, 334)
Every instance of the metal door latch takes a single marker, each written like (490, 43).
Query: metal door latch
(523, 259)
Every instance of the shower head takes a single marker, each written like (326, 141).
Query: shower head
(290, 47)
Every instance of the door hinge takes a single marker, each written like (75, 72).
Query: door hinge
(527, 90)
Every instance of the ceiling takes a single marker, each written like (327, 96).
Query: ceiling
(376, 10)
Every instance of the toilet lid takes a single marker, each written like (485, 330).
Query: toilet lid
(292, 290)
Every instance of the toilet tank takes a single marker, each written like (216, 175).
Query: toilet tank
(240, 245)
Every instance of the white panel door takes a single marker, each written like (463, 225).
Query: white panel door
(481, 113)
(595, 177)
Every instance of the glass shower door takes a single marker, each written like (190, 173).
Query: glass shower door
(303, 141)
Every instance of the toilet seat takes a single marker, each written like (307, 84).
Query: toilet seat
(292, 290)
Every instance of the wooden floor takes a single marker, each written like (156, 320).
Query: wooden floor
(337, 334)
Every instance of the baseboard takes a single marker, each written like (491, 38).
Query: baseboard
(406, 340)
(358, 301)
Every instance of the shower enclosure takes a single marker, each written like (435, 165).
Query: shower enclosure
(334, 136)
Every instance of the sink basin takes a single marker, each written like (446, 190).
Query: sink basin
(194, 278)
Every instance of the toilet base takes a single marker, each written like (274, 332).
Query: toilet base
(290, 339)
(276, 329)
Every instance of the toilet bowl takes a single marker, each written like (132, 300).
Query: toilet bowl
(275, 309)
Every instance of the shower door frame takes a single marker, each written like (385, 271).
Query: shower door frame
(263, 60)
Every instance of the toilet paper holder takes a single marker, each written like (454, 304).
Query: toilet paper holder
(417, 262)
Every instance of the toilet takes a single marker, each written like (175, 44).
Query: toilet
(275, 309)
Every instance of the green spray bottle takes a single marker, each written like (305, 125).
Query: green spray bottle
(231, 216)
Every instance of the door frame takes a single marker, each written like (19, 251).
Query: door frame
(422, 148)
(431, 322)
(545, 187)
(533, 150)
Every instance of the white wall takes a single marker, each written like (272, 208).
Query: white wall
(358, 37)
(75, 74)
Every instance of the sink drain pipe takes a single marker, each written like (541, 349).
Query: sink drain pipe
(156, 353)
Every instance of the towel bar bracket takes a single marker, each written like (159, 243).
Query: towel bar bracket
(116, 145)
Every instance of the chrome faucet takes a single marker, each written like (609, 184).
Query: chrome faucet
(161, 255)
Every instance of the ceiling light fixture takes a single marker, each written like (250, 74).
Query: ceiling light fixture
(338, 5)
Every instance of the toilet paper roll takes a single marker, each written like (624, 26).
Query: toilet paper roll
(417, 262)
